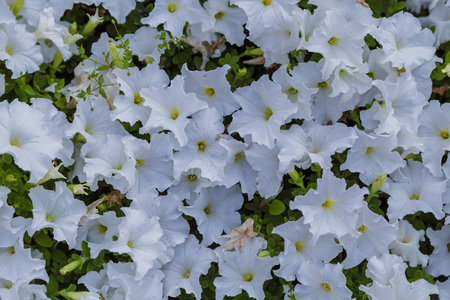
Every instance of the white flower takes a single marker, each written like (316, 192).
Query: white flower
(175, 13)
(439, 260)
(170, 108)
(215, 211)
(244, 270)
(264, 109)
(212, 87)
(139, 236)
(321, 281)
(29, 137)
(58, 210)
(203, 149)
(331, 208)
(190, 261)
(18, 47)
(299, 248)
(130, 107)
(407, 244)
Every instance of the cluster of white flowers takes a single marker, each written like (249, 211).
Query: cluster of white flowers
(194, 165)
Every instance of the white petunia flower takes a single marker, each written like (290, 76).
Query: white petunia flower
(170, 108)
(321, 281)
(29, 137)
(407, 244)
(414, 189)
(19, 50)
(244, 270)
(190, 261)
(58, 210)
(299, 248)
(131, 107)
(331, 208)
(215, 211)
(139, 237)
(264, 109)
(212, 87)
(439, 260)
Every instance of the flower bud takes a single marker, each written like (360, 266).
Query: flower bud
(73, 265)
(115, 55)
(242, 72)
(93, 22)
(78, 189)
(53, 173)
(264, 253)
(377, 184)
(16, 6)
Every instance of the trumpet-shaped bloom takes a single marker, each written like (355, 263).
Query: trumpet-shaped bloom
(331, 208)
(434, 128)
(131, 107)
(170, 108)
(58, 210)
(404, 41)
(414, 190)
(439, 260)
(19, 50)
(154, 165)
(109, 161)
(212, 87)
(338, 40)
(321, 281)
(299, 248)
(29, 137)
(244, 270)
(264, 109)
(215, 211)
(190, 261)
(175, 13)
(372, 155)
(203, 149)
(407, 244)
(139, 237)
(376, 236)
(228, 20)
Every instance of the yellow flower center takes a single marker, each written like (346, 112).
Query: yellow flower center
(102, 228)
(49, 218)
(139, 162)
(370, 74)
(328, 204)
(12, 250)
(325, 286)
(207, 210)
(14, 142)
(172, 7)
(174, 114)
(299, 246)
(201, 146)
(292, 91)
(219, 15)
(192, 177)
(369, 150)
(444, 134)
(138, 99)
(187, 274)
(9, 50)
(130, 244)
(247, 277)
(362, 229)
(333, 41)
(266, 2)
(415, 197)
(210, 92)
(322, 85)
(238, 156)
(267, 113)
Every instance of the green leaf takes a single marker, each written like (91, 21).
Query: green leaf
(276, 207)
(42, 239)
